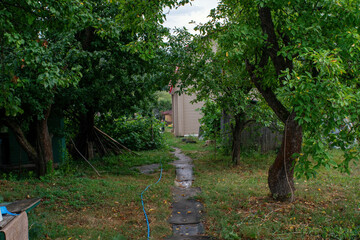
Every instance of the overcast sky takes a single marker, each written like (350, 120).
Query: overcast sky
(198, 12)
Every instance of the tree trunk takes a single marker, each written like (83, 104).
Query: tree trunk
(239, 127)
(44, 145)
(42, 154)
(22, 140)
(86, 137)
(281, 173)
(236, 137)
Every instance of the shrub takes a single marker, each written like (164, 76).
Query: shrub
(139, 133)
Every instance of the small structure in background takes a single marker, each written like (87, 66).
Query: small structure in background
(185, 113)
(167, 117)
(12, 155)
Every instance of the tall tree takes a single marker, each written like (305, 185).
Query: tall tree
(303, 58)
(204, 69)
(35, 44)
(43, 43)
(118, 49)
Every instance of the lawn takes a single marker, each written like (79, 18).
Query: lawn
(239, 206)
(77, 204)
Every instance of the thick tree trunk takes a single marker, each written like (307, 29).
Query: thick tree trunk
(86, 137)
(281, 173)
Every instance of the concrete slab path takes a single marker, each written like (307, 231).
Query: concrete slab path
(187, 213)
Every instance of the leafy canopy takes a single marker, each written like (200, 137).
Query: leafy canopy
(319, 42)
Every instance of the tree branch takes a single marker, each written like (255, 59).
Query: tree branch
(267, 25)
(266, 92)
(85, 158)
(22, 140)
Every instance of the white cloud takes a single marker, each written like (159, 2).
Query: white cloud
(197, 11)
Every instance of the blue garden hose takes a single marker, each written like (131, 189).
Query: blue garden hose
(4, 210)
(142, 202)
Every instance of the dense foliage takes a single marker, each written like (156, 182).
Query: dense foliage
(204, 69)
(310, 63)
(210, 121)
(37, 45)
(300, 59)
(138, 133)
(81, 57)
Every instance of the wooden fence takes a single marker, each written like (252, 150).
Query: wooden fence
(261, 138)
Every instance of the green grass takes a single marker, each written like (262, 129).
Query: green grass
(239, 205)
(77, 204)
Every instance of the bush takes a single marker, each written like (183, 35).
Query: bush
(140, 133)
(210, 122)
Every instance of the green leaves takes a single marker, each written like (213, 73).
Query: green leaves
(35, 55)
(319, 44)
(140, 133)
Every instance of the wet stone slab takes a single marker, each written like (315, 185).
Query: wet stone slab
(186, 212)
(185, 173)
(188, 230)
(190, 238)
(184, 193)
(181, 162)
(183, 159)
(148, 169)
(188, 204)
(184, 183)
(185, 217)
(182, 165)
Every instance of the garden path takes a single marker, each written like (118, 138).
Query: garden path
(186, 217)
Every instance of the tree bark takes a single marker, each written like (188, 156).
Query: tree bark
(86, 137)
(42, 154)
(267, 25)
(281, 172)
(44, 144)
(236, 137)
(240, 124)
(22, 140)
